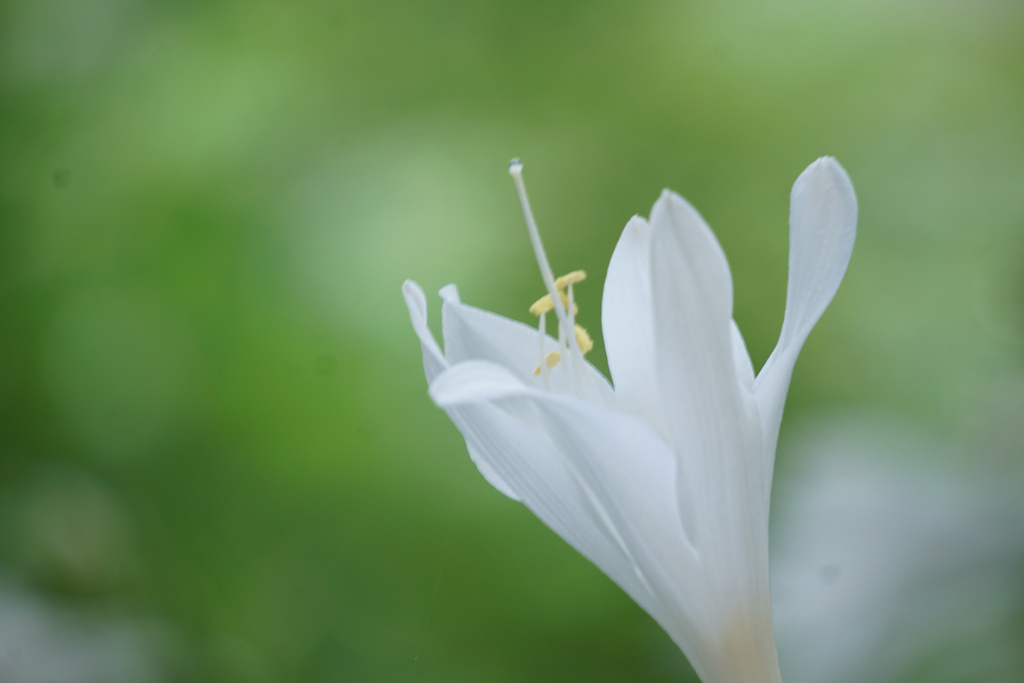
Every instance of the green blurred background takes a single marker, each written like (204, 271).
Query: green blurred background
(213, 416)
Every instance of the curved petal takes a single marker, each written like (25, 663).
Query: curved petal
(625, 462)
(489, 473)
(433, 360)
(822, 229)
(472, 333)
(514, 442)
(602, 480)
(692, 303)
(709, 418)
(434, 363)
(614, 474)
(627, 320)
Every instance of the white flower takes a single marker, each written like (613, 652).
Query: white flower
(664, 481)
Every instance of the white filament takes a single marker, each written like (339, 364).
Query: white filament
(566, 335)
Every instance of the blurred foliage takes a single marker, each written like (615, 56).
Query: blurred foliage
(212, 408)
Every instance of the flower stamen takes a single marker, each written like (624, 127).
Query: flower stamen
(515, 169)
(583, 339)
(544, 304)
(541, 307)
(550, 361)
(562, 304)
(570, 279)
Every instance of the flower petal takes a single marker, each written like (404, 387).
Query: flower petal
(823, 226)
(822, 229)
(472, 333)
(741, 358)
(710, 419)
(692, 304)
(472, 381)
(433, 360)
(513, 440)
(489, 473)
(627, 320)
(603, 480)
(434, 363)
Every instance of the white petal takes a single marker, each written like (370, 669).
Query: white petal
(627, 319)
(492, 477)
(604, 482)
(450, 293)
(822, 229)
(433, 359)
(741, 358)
(601, 479)
(434, 363)
(515, 444)
(710, 419)
(475, 334)
(472, 381)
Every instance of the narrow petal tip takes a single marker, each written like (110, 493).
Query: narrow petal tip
(433, 358)
(416, 301)
(672, 203)
(825, 175)
(450, 293)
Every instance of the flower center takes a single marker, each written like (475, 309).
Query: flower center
(544, 305)
(573, 340)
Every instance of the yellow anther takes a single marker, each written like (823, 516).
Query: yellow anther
(544, 305)
(583, 339)
(570, 279)
(551, 360)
